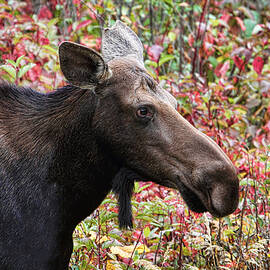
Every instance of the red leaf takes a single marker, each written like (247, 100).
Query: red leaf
(239, 62)
(208, 44)
(69, 29)
(6, 15)
(44, 13)
(241, 23)
(154, 52)
(190, 40)
(9, 56)
(44, 41)
(267, 126)
(258, 64)
(225, 17)
(35, 72)
(83, 24)
(222, 68)
(19, 49)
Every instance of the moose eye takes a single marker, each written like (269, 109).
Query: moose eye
(144, 112)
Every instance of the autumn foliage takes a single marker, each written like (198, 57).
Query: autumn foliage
(213, 56)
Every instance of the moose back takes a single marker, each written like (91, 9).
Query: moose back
(62, 152)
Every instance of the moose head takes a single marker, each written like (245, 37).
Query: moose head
(137, 121)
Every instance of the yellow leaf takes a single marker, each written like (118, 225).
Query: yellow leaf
(104, 239)
(113, 265)
(222, 123)
(126, 251)
(148, 265)
(119, 251)
(93, 235)
(142, 248)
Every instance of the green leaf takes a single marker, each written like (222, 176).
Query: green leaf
(249, 24)
(172, 36)
(53, 21)
(184, 103)
(213, 61)
(136, 187)
(186, 251)
(256, 16)
(165, 59)
(139, 189)
(50, 49)
(263, 158)
(145, 218)
(146, 232)
(241, 110)
(7, 77)
(58, 7)
(79, 242)
(10, 70)
(228, 114)
(227, 219)
(205, 99)
(267, 181)
(169, 2)
(215, 22)
(247, 181)
(24, 69)
(197, 8)
(229, 232)
(18, 61)
(11, 62)
(151, 63)
(261, 221)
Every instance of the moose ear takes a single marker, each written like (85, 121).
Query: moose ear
(121, 41)
(83, 67)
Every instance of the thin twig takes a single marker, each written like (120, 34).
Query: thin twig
(151, 20)
(181, 42)
(197, 38)
(98, 16)
(129, 262)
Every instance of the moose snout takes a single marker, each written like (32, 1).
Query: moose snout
(219, 188)
(224, 199)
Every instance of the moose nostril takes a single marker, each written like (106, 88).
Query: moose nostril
(225, 199)
(219, 184)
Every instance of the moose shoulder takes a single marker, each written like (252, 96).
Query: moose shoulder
(62, 152)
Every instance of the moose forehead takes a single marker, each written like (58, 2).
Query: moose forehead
(129, 73)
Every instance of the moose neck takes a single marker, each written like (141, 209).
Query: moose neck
(79, 160)
(55, 135)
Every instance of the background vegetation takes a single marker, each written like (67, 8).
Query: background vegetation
(213, 56)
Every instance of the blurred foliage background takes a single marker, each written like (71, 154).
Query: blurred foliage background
(213, 56)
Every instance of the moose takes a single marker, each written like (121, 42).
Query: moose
(62, 152)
